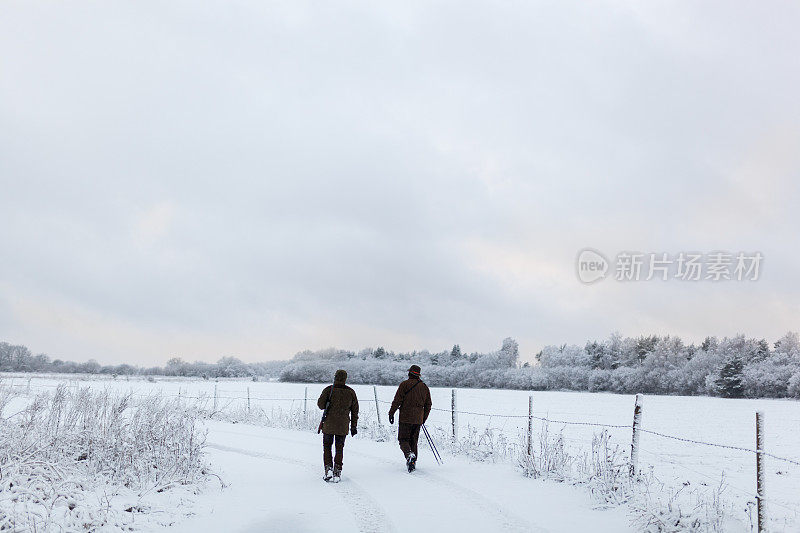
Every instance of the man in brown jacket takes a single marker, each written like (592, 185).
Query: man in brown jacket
(342, 413)
(413, 398)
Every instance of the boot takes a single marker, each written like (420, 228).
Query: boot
(328, 473)
(411, 461)
(337, 474)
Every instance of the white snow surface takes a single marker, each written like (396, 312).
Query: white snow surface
(679, 465)
(275, 484)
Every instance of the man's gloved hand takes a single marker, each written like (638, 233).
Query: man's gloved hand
(353, 431)
(391, 418)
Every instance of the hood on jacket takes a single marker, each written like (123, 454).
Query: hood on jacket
(340, 377)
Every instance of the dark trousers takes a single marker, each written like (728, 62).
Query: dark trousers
(408, 435)
(327, 442)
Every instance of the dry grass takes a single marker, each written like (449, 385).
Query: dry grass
(81, 460)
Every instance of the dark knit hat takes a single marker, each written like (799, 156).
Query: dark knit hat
(340, 376)
(415, 370)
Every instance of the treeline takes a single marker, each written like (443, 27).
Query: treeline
(18, 358)
(732, 367)
(381, 367)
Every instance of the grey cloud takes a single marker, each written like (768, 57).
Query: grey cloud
(278, 176)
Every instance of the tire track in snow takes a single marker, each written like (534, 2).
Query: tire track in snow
(509, 520)
(369, 515)
(506, 520)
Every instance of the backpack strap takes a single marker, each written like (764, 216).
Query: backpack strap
(409, 390)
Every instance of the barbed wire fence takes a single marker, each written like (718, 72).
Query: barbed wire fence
(759, 453)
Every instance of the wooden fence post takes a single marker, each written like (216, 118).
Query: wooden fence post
(455, 416)
(637, 421)
(248, 400)
(377, 407)
(530, 425)
(305, 402)
(760, 474)
(29, 387)
(215, 397)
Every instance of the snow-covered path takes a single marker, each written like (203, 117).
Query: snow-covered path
(275, 484)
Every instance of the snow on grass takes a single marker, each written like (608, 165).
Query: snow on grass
(603, 467)
(685, 486)
(82, 459)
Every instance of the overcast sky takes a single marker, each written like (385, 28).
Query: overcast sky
(248, 178)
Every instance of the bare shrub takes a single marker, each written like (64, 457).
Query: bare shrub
(606, 470)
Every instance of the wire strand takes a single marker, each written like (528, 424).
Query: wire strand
(503, 416)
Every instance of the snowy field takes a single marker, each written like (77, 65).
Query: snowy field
(680, 465)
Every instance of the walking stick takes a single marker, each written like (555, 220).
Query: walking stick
(435, 450)
(432, 445)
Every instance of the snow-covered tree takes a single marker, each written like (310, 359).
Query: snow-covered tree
(729, 382)
(789, 343)
(509, 353)
(455, 353)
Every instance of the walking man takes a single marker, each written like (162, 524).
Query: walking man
(341, 411)
(413, 398)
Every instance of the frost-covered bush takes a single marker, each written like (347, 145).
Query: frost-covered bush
(658, 508)
(84, 460)
(549, 459)
(606, 471)
(770, 377)
(599, 380)
(571, 355)
(691, 379)
(625, 379)
(794, 385)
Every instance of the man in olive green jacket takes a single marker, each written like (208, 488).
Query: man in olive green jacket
(342, 405)
(413, 399)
